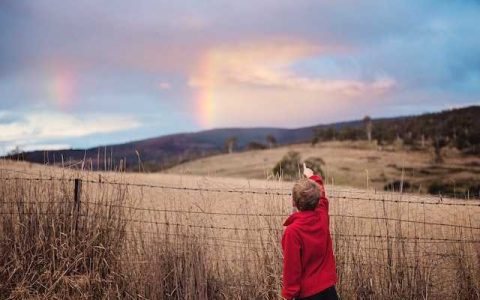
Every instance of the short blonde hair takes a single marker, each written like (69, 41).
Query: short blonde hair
(306, 194)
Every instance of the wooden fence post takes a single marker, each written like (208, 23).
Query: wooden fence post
(77, 199)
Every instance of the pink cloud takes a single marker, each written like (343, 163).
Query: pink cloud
(235, 81)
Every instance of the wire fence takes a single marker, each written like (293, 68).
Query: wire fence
(230, 237)
(103, 181)
(382, 199)
(475, 197)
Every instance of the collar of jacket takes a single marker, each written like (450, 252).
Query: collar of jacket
(298, 215)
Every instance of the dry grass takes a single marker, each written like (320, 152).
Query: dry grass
(347, 163)
(210, 243)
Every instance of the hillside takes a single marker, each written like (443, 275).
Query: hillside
(459, 127)
(165, 151)
(351, 163)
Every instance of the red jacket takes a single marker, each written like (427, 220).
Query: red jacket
(308, 261)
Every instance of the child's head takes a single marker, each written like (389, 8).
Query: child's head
(306, 194)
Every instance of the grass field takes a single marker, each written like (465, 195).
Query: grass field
(355, 164)
(168, 236)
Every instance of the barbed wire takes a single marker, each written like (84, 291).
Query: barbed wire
(388, 219)
(385, 265)
(336, 236)
(404, 253)
(339, 236)
(382, 200)
(336, 189)
(260, 228)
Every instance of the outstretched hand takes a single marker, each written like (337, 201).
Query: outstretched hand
(307, 172)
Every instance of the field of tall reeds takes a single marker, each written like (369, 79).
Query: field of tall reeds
(83, 235)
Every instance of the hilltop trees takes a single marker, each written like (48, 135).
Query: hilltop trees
(367, 121)
(438, 143)
(330, 133)
(271, 140)
(467, 137)
(256, 146)
(323, 134)
(350, 133)
(15, 151)
(318, 134)
(230, 144)
(458, 128)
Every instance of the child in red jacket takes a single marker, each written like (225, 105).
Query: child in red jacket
(308, 261)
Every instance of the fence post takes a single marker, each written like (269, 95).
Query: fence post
(77, 196)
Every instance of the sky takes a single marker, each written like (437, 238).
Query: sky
(77, 74)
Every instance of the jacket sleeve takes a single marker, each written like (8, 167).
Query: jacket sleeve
(292, 265)
(323, 203)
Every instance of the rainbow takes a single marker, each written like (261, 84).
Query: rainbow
(205, 98)
(205, 104)
(61, 87)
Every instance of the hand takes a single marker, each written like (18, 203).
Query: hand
(307, 172)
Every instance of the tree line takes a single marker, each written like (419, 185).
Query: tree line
(231, 144)
(458, 128)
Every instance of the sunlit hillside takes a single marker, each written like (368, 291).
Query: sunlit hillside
(356, 164)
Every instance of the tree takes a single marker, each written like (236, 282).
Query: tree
(317, 136)
(439, 138)
(438, 143)
(256, 146)
(367, 121)
(230, 144)
(15, 151)
(271, 140)
(350, 133)
(330, 133)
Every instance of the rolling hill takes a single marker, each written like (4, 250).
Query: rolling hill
(166, 151)
(355, 164)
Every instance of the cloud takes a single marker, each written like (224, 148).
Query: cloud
(268, 64)
(164, 85)
(258, 81)
(338, 59)
(32, 147)
(35, 127)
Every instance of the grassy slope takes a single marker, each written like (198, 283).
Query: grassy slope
(347, 163)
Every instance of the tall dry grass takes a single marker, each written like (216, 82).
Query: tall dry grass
(140, 242)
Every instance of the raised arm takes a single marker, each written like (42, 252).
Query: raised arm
(319, 180)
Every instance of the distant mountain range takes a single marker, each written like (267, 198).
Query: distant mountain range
(165, 151)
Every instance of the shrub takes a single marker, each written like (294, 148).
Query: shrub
(256, 146)
(397, 185)
(458, 188)
(315, 163)
(288, 167)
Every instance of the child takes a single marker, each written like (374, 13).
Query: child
(308, 261)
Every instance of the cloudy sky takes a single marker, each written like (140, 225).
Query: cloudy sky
(83, 73)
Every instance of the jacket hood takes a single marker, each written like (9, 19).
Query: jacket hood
(299, 215)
